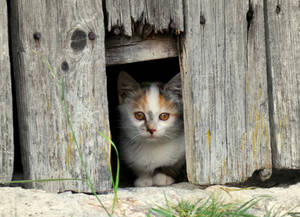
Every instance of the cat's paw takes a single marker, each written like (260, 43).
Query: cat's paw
(161, 179)
(143, 181)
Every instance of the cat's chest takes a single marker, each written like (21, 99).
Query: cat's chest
(151, 156)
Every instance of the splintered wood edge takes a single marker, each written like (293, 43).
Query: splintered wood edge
(122, 50)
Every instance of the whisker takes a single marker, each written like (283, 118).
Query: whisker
(131, 140)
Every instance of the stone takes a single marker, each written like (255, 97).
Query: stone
(16, 201)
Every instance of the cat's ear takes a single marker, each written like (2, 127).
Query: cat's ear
(126, 86)
(174, 86)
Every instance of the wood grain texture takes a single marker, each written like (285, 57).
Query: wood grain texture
(57, 32)
(159, 14)
(284, 72)
(121, 50)
(223, 66)
(6, 119)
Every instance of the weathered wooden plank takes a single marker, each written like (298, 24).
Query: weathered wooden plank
(159, 14)
(6, 119)
(223, 66)
(120, 50)
(283, 31)
(70, 36)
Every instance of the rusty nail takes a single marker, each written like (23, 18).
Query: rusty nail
(37, 36)
(202, 20)
(92, 36)
(278, 9)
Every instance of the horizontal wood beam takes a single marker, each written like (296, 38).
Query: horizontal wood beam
(122, 50)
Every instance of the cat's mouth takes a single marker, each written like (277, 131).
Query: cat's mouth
(152, 137)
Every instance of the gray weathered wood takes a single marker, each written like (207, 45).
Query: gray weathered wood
(121, 50)
(6, 119)
(283, 30)
(223, 66)
(45, 31)
(159, 14)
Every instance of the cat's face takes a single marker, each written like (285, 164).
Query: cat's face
(152, 111)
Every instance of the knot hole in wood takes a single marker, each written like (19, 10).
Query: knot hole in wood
(78, 40)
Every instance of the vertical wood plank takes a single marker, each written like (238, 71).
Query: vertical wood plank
(118, 14)
(69, 35)
(6, 119)
(225, 92)
(156, 13)
(283, 30)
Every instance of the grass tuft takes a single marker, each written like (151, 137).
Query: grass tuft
(213, 208)
(208, 208)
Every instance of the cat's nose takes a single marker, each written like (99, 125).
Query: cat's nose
(151, 130)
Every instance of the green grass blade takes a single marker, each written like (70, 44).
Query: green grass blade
(163, 212)
(168, 204)
(149, 212)
(88, 181)
(194, 209)
(245, 207)
(116, 182)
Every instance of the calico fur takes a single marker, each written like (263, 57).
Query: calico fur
(143, 150)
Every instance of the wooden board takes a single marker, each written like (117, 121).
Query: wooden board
(161, 15)
(283, 31)
(69, 35)
(6, 119)
(121, 50)
(223, 66)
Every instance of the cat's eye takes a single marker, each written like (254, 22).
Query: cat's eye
(164, 116)
(139, 115)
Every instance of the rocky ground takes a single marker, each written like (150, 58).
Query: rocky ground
(16, 201)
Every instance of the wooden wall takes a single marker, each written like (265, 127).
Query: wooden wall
(61, 39)
(6, 119)
(153, 15)
(240, 63)
(224, 76)
(283, 40)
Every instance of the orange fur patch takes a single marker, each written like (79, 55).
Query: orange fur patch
(141, 101)
(144, 102)
(164, 103)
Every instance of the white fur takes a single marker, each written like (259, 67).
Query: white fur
(144, 181)
(147, 157)
(161, 179)
(152, 99)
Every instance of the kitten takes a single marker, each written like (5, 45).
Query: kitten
(152, 136)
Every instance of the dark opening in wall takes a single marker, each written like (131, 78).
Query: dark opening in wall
(280, 177)
(155, 70)
(18, 173)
